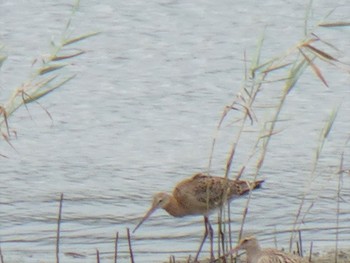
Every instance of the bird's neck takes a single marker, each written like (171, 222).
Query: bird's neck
(174, 208)
(253, 253)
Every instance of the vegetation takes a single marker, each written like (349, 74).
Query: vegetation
(289, 68)
(46, 77)
(285, 70)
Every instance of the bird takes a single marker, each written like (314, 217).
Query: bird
(255, 254)
(200, 194)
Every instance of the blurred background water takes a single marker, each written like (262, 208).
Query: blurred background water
(141, 116)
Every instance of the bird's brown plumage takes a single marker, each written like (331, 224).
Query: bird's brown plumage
(199, 195)
(255, 254)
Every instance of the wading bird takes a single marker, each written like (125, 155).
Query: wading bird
(255, 254)
(200, 195)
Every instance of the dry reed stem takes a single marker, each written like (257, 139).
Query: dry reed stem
(97, 256)
(310, 253)
(58, 232)
(300, 245)
(130, 248)
(1, 256)
(116, 247)
(338, 212)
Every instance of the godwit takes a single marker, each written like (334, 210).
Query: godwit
(200, 195)
(255, 254)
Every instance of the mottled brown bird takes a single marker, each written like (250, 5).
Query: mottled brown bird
(200, 195)
(255, 254)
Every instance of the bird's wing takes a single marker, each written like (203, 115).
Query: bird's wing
(205, 191)
(202, 193)
(267, 259)
(271, 255)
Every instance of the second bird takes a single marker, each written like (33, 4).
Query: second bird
(255, 254)
(200, 195)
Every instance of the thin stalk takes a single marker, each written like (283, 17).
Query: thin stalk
(1, 256)
(337, 217)
(323, 136)
(116, 247)
(307, 17)
(298, 248)
(97, 256)
(130, 248)
(300, 245)
(310, 255)
(339, 188)
(58, 233)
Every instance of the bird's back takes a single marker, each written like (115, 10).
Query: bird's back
(201, 193)
(271, 255)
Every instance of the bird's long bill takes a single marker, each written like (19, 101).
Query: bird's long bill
(152, 209)
(233, 250)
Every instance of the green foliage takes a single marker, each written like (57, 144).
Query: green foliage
(46, 77)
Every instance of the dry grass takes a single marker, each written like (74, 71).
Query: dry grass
(47, 75)
(289, 67)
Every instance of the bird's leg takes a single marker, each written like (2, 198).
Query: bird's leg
(204, 237)
(221, 234)
(229, 227)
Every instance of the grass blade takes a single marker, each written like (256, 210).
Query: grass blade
(307, 17)
(334, 24)
(314, 68)
(295, 74)
(41, 93)
(57, 58)
(320, 53)
(49, 69)
(80, 38)
(256, 59)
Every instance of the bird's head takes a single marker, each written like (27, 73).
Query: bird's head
(248, 242)
(245, 243)
(160, 200)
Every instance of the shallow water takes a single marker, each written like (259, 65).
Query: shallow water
(141, 115)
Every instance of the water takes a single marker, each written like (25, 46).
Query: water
(141, 115)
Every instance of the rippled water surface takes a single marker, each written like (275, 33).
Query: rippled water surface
(141, 115)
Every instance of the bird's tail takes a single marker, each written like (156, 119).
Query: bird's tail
(256, 184)
(242, 187)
